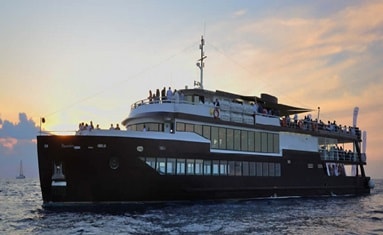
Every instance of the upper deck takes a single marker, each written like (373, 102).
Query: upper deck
(247, 111)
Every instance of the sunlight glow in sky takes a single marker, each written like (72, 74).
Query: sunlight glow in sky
(77, 61)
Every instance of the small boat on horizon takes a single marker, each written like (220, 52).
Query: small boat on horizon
(21, 174)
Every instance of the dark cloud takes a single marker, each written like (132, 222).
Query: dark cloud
(16, 143)
(24, 129)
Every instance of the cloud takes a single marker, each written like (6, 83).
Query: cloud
(24, 129)
(18, 142)
(339, 51)
(332, 60)
(8, 143)
(16, 137)
(240, 13)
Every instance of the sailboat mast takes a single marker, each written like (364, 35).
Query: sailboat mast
(21, 167)
(21, 174)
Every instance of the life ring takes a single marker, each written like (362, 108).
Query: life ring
(216, 113)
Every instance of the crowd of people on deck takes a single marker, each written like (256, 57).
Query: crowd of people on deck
(338, 153)
(84, 126)
(89, 127)
(335, 169)
(307, 123)
(165, 96)
(259, 109)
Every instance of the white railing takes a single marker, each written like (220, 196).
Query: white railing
(339, 155)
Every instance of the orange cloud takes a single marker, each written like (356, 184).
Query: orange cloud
(303, 48)
(332, 61)
(8, 142)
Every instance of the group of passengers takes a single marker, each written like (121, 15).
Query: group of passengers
(165, 96)
(89, 127)
(341, 153)
(307, 123)
(114, 128)
(84, 126)
(259, 109)
(336, 169)
(332, 126)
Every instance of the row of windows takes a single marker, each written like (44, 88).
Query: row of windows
(224, 138)
(234, 139)
(149, 126)
(178, 166)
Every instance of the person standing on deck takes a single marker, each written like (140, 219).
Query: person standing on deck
(255, 110)
(169, 94)
(163, 94)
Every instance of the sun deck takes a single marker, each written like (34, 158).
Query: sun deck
(240, 110)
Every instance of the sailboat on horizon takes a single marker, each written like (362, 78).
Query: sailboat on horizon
(21, 174)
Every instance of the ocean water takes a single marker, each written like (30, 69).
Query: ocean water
(21, 212)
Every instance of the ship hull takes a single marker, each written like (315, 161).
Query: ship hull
(97, 169)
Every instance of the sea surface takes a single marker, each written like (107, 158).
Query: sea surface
(21, 212)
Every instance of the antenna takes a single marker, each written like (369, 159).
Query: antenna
(201, 64)
(355, 116)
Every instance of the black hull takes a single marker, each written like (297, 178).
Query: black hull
(100, 169)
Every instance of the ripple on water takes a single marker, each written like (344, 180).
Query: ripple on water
(21, 213)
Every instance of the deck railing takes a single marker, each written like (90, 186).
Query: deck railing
(247, 117)
(338, 155)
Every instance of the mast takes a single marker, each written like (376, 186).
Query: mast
(201, 64)
(21, 168)
(21, 174)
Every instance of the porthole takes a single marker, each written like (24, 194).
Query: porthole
(113, 163)
(140, 149)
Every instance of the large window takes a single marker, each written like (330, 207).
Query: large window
(252, 169)
(238, 168)
(264, 142)
(160, 166)
(276, 143)
(214, 137)
(190, 166)
(206, 132)
(198, 129)
(223, 167)
(245, 168)
(222, 138)
(230, 139)
(181, 166)
(198, 167)
(189, 127)
(271, 169)
(258, 141)
(237, 139)
(231, 168)
(258, 168)
(216, 167)
(180, 126)
(244, 138)
(234, 139)
(207, 167)
(150, 126)
(250, 141)
(171, 166)
(270, 144)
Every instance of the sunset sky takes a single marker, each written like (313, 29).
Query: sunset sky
(77, 61)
